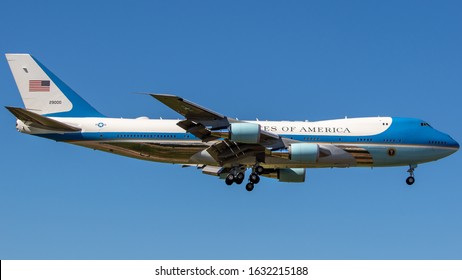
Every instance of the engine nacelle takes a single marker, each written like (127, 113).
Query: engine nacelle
(248, 133)
(304, 152)
(292, 175)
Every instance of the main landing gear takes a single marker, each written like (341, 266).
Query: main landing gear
(237, 176)
(410, 180)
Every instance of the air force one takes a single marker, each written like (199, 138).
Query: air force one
(219, 145)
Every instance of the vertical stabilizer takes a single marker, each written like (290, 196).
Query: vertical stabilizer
(44, 93)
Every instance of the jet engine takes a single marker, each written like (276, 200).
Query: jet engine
(300, 152)
(304, 152)
(292, 175)
(248, 133)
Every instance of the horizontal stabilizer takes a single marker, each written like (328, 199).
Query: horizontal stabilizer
(40, 121)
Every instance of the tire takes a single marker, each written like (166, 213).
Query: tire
(410, 180)
(239, 177)
(254, 178)
(229, 179)
(259, 170)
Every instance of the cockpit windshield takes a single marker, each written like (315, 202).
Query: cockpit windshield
(425, 124)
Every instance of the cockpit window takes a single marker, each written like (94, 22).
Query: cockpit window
(425, 124)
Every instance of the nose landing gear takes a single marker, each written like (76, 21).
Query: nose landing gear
(410, 180)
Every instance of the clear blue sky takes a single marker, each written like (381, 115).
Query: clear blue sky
(275, 60)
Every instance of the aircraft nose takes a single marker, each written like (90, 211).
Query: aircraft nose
(453, 143)
(450, 143)
(456, 145)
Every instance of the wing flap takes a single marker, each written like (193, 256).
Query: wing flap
(197, 129)
(212, 170)
(228, 151)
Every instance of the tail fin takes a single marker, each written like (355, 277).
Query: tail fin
(44, 93)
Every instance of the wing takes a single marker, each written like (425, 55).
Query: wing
(199, 121)
(238, 145)
(209, 125)
(187, 108)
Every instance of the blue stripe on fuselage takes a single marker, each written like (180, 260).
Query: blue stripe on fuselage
(93, 136)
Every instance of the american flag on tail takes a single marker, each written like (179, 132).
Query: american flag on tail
(39, 86)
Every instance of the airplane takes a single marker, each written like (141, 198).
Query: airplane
(219, 145)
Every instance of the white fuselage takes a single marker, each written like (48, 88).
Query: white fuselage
(376, 141)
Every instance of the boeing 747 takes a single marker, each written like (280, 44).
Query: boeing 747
(220, 145)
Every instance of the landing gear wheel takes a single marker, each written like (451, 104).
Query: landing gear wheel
(239, 177)
(410, 180)
(254, 178)
(229, 179)
(259, 170)
(249, 187)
